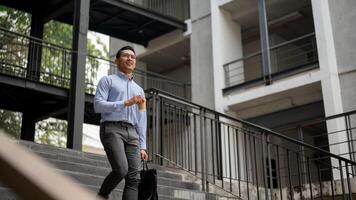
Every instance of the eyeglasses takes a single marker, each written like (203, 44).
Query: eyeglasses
(127, 55)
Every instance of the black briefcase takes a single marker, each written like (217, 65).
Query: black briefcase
(147, 189)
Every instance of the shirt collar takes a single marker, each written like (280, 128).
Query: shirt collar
(123, 75)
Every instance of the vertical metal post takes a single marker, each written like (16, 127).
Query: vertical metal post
(154, 128)
(299, 177)
(77, 86)
(302, 150)
(279, 173)
(320, 181)
(264, 165)
(202, 156)
(266, 58)
(256, 170)
(289, 175)
(219, 170)
(332, 184)
(310, 181)
(195, 144)
(161, 126)
(246, 166)
(270, 166)
(238, 161)
(342, 180)
(205, 152)
(189, 128)
(229, 152)
(348, 181)
(35, 49)
(212, 148)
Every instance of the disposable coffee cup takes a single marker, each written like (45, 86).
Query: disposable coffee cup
(142, 106)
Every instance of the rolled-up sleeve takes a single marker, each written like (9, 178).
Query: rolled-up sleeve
(141, 125)
(141, 128)
(101, 104)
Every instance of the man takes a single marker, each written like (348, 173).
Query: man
(123, 125)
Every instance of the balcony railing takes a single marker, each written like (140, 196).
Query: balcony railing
(176, 9)
(335, 133)
(245, 159)
(55, 65)
(288, 57)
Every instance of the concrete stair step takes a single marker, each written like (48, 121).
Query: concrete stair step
(59, 150)
(8, 194)
(102, 171)
(90, 170)
(95, 180)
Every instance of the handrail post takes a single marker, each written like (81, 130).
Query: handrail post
(154, 127)
(202, 155)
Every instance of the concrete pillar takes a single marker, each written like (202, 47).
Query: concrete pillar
(330, 81)
(35, 49)
(77, 86)
(28, 126)
(342, 16)
(201, 54)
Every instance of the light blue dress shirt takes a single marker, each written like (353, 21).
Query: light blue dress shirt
(111, 93)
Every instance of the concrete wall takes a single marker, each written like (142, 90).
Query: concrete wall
(201, 54)
(343, 15)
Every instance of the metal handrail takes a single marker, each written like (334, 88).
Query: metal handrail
(221, 150)
(271, 48)
(267, 130)
(64, 54)
(285, 60)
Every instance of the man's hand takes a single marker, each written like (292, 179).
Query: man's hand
(134, 100)
(144, 155)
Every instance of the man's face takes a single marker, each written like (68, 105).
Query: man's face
(127, 61)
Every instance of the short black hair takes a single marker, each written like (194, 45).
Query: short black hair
(123, 49)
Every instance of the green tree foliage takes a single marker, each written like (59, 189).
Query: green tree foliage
(52, 131)
(10, 122)
(55, 67)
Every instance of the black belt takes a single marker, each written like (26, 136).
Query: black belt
(118, 122)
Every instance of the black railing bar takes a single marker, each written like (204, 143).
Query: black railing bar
(330, 133)
(34, 39)
(42, 42)
(269, 131)
(234, 75)
(243, 58)
(291, 41)
(111, 63)
(295, 66)
(324, 119)
(271, 48)
(293, 48)
(326, 145)
(155, 11)
(8, 65)
(337, 143)
(343, 154)
(231, 69)
(284, 58)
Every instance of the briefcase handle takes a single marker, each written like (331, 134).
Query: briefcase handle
(144, 165)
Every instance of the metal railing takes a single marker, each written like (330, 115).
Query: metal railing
(288, 56)
(176, 9)
(336, 134)
(247, 160)
(55, 65)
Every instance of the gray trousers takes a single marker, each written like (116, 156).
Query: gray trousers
(121, 144)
